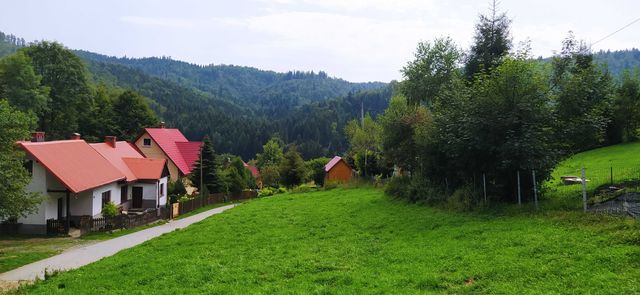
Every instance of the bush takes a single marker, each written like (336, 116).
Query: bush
(461, 199)
(270, 191)
(399, 187)
(109, 210)
(415, 189)
(303, 188)
(184, 198)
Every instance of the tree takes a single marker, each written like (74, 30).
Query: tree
(14, 201)
(234, 181)
(270, 175)
(271, 153)
(432, 69)
(582, 96)
(210, 167)
(626, 109)
(315, 168)
(363, 138)
(292, 169)
(66, 77)
(399, 125)
(132, 114)
(491, 42)
(21, 85)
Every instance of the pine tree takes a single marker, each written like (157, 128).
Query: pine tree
(211, 174)
(491, 42)
(293, 170)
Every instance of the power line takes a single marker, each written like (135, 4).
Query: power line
(620, 29)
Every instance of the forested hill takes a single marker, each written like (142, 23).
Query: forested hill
(239, 108)
(618, 61)
(266, 92)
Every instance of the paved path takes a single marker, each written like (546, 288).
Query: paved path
(77, 257)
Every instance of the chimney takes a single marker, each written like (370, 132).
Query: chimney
(75, 136)
(110, 140)
(37, 136)
(162, 124)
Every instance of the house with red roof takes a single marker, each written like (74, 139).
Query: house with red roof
(255, 173)
(170, 144)
(146, 180)
(337, 170)
(78, 179)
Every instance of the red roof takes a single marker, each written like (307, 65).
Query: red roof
(74, 163)
(124, 156)
(253, 169)
(182, 152)
(146, 168)
(115, 154)
(190, 152)
(332, 163)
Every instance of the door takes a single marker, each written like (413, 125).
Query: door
(136, 196)
(60, 208)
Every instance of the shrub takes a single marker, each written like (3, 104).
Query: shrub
(282, 190)
(461, 199)
(303, 188)
(109, 210)
(399, 187)
(183, 199)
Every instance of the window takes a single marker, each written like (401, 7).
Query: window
(146, 142)
(106, 198)
(162, 189)
(124, 190)
(28, 164)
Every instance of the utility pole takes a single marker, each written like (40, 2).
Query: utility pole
(535, 189)
(201, 187)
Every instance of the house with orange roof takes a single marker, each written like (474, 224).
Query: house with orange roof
(145, 185)
(170, 144)
(78, 179)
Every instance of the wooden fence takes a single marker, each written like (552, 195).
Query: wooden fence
(198, 202)
(88, 224)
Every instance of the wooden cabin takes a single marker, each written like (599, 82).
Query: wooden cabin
(337, 170)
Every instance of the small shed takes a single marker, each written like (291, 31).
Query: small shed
(337, 170)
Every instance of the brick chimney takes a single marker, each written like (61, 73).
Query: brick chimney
(162, 125)
(75, 136)
(110, 140)
(37, 136)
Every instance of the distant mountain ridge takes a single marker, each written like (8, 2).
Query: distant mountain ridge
(263, 91)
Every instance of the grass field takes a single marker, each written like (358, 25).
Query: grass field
(619, 163)
(358, 240)
(22, 250)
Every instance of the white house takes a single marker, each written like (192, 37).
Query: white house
(77, 180)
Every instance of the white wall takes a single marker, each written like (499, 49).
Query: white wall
(163, 196)
(41, 180)
(97, 196)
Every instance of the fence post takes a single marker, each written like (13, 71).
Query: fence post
(484, 186)
(611, 175)
(519, 195)
(535, 188)
(584, 191)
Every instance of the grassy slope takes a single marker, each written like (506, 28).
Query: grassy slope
(22, 250)
(360, 241)
(623, 158)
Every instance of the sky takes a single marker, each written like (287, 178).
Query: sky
(357, 40)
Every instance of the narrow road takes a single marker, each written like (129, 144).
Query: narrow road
(81, 256)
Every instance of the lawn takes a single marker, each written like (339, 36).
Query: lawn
(351, 241)
(612, 165)
(22, 250)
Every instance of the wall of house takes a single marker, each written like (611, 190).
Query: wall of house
(340, 172)
(48, 208)
(154, 151)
